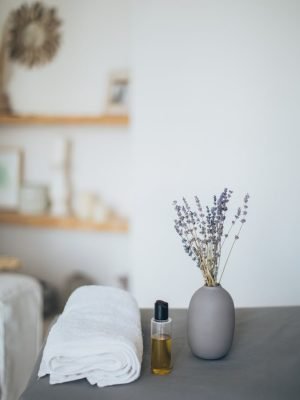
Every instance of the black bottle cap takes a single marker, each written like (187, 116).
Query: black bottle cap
(161, 311)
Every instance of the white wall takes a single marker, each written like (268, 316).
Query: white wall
(216, 98)
(95, 42)
(215, 103)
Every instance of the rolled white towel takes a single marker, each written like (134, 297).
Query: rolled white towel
(97, 337)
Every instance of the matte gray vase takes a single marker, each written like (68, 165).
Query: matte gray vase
(211, 320)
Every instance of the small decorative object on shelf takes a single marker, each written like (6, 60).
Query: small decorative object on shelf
(10, 177)
(83, 204)
(89, 206)
(211, 316)
(60, 187)
(118, 94)
(34, 199)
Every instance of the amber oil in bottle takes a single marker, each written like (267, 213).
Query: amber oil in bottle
(161, 340)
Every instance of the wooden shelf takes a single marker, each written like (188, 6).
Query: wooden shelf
(15, 119)
(115, 225)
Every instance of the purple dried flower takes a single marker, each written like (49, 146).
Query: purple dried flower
(238, 213)
(246, 198)
(202, 233)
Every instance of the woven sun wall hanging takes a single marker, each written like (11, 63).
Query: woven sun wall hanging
(33, 35)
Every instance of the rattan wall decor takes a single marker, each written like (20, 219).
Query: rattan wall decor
(33, 35)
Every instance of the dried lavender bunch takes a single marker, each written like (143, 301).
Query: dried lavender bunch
(203, 234)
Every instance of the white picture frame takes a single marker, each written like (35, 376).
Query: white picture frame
(10, 178)
(118, 93)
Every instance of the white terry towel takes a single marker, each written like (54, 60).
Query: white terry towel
(98, 337)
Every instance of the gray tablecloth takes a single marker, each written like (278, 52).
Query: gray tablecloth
(264, 363)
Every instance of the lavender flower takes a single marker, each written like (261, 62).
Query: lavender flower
(202, 232)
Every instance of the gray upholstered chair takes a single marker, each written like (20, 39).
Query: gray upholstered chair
(20, 331)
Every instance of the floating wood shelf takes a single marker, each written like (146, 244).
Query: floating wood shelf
(15, 119)
(114, 225)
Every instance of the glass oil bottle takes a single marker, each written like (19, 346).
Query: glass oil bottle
(161, 339)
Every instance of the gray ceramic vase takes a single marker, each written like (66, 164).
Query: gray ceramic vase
(211, 320)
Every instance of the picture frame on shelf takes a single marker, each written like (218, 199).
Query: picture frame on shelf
(118, 94)
(10, 177)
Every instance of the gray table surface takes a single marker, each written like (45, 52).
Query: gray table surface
(264, 363)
